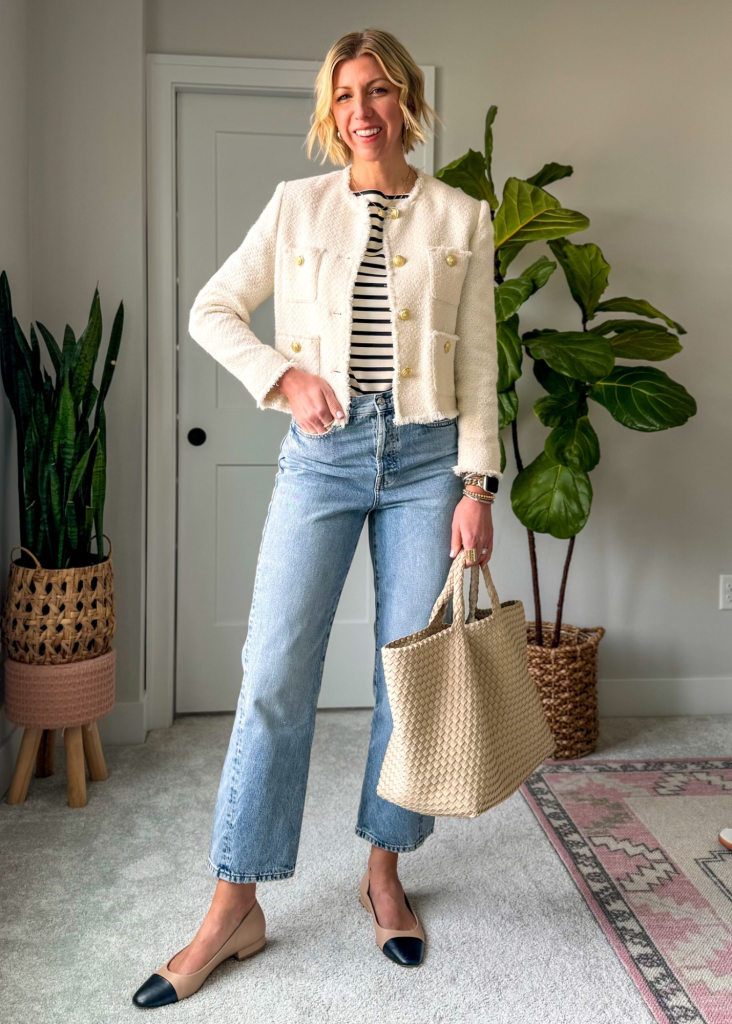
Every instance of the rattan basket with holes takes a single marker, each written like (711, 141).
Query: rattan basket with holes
(53, 616)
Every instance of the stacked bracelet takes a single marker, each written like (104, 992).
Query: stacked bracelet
(487, 499)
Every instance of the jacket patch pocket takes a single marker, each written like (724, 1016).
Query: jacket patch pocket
(302, 349)
(448, 268)
(300, 273)
(443, 362)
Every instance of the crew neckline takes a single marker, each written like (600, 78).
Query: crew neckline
(356, 198)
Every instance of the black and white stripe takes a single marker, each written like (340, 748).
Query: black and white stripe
(372, 352)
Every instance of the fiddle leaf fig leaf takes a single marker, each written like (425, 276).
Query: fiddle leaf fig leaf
(503, 453)
(529, 214)
(549, 173)
(643, 398)
(507, 407)
(553, 382)
(578, 354)
(639, 339)
(586, 271)
(548, 497)
(510, 353)
(574, 444)
(511, 294)
(507, 254)
(623, 304)
(468, 173)
(566, 407)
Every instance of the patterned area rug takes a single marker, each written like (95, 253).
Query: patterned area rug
(639, 838)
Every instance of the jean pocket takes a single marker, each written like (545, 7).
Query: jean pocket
(305, 433)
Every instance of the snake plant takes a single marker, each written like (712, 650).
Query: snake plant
(62, 460)
(553, 493)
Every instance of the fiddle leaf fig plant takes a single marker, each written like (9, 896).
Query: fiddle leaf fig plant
(61, 458)
(553, 493)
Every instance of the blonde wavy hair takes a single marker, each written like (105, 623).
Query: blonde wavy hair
(401, 70)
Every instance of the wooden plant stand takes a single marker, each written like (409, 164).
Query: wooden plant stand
(72, 697)
(37, 746)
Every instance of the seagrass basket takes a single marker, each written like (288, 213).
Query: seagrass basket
(566, 678)
(53, 616)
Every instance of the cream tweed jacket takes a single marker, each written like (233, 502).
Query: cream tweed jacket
(307, 245)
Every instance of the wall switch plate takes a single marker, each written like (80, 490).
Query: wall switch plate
(725, 593)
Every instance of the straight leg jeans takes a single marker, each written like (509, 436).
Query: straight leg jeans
(401, 479)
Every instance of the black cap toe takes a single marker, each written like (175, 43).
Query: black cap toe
(156, 991)
(405, 950)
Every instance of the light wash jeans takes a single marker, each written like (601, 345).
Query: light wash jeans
(401, 478)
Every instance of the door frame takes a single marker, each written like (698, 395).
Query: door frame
(167, 75)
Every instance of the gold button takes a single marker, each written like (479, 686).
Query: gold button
(394, 212)
(300, 260)
(403, 314)
(398, 261)
(405, 371)
(447, 346)
(296, 346)
(451, 260)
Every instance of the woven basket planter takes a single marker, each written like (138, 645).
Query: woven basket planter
(566, 677)
(55, 616)
(59, 696)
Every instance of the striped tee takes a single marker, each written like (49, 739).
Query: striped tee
(371, 365)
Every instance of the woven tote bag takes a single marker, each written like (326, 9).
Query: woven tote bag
(468, 723)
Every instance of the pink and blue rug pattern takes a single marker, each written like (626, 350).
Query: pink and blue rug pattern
(639, 839)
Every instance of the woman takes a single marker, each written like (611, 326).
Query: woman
(385, 357)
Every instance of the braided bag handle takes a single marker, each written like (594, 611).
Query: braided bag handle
(454, 588)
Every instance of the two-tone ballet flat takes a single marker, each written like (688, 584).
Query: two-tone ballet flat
(725, 838)
(165, 986)
(403, 947)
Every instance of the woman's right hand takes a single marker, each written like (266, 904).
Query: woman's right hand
(312, 399)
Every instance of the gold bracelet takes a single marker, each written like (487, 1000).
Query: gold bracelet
(487, 499)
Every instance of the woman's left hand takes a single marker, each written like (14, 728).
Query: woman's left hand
(472, 527)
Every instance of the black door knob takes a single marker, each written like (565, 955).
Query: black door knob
(197, 436)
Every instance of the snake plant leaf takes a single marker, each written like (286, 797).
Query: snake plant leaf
(488, 147)
(548, 497)
(511, 294)
(578, 354)
(64, 434)
(586, 271)
(110, 361)
(23, 347)
(510, 352)
(639, 339)
(8, 356)
(88, 404)
(30, 494)
(575, 445)
(549, 173)
(35, 360)
(80, 468)
(89, 343)
(52, 345)
(72, 526)
(623, 304)
(643, 398)
(529, 214)
(566, 407)
(54, 485)
(507, 407)
(553, 382)
(468, 173)
(99, 481)
(503, 453)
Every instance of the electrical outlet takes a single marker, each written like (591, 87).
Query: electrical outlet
(725, 593)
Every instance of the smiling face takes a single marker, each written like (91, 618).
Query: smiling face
(366, 109)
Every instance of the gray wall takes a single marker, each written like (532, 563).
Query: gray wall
(635, 95)
(15, 261)
(72, 206)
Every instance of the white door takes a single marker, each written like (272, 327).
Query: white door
(232, 151)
